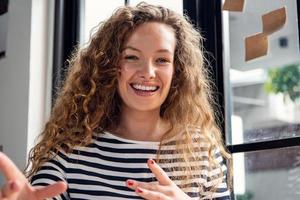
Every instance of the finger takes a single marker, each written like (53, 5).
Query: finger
(149, 186)
(50, 190)
(10, 188)
(134, 184)
(9, 169)
(151, 195)
(159, 173)
(2, 197)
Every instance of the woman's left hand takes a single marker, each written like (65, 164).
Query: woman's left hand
(165, 189)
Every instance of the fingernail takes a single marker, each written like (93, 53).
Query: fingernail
(139, 190)
(14, 186)
(152, 161)
(129, 183)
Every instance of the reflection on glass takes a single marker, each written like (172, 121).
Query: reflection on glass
(267, 176)
(257, 109)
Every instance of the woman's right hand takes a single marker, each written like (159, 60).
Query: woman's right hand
(17, 186)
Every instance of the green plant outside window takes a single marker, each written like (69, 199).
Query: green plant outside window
(285, 80)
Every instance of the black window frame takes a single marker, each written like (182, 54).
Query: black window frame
(66, 38)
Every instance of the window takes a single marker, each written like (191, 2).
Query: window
(268, 174)
(264, 142)
(263, 127)
(256, 112)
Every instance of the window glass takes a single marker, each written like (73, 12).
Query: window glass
(262, 94)
(266, 175)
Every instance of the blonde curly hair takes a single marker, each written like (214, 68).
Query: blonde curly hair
(89, 102)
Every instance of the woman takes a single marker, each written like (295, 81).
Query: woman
(134, 119)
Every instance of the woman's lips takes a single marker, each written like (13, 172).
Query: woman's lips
(144, 93)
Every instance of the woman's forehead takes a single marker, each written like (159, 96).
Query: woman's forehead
(152, 35)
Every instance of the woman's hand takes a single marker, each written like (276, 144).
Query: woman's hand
(165, 189)
(18, 188)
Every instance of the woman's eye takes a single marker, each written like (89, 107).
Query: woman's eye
(131, 57)
(162, 60)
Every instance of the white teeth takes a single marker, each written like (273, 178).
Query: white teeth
(143, 87)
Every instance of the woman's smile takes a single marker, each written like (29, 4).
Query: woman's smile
(144, 90)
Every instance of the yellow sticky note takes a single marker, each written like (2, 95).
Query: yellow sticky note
(273, 21)
(234, 5)
(256, 46)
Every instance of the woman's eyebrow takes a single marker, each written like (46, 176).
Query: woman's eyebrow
(135, 49)
(132, 48)
(164, 51)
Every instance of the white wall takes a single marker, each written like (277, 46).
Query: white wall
(14, 82)
(22, 72)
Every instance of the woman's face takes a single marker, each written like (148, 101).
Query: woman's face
(146, 66)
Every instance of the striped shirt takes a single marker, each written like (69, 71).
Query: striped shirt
(100, 170)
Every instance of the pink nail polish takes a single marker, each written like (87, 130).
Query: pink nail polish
(129, 183)
(152, 162)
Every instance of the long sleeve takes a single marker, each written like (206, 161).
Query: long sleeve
(222, 192)
(51, 172)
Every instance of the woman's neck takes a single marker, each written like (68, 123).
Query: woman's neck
(141, 125)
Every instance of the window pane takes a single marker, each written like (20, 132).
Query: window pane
(262, 97)
(271, 174)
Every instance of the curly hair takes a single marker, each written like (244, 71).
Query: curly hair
(89, 102)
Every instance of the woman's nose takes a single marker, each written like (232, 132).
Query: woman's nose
(148, 71)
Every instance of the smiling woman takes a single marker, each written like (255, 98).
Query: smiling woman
(134, 119)
(146, 72)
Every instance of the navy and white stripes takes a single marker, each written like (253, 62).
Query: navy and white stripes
(99, 171)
